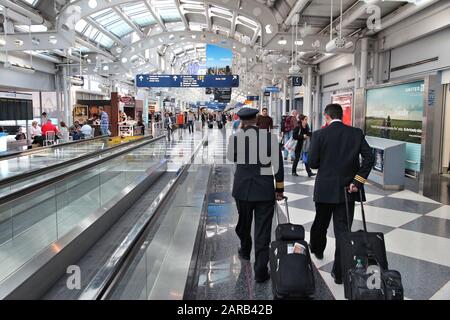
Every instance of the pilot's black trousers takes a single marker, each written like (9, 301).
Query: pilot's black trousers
(264, 212)
(324, 212)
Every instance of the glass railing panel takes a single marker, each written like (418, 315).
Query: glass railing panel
(77, 198)
(34, 228)
(6, 225)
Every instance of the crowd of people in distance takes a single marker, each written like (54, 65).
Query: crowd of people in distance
(49, 133)
(186, 120)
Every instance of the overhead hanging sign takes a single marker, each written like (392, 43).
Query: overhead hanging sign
(183, 81)
(297, 81)
(223, 95)
(216, 105)
(253, 98)
(272, 89)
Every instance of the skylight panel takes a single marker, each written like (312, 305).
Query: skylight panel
(32, 3)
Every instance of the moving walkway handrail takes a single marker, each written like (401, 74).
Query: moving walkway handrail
(101, 284)
(32, 173)
(39, 185)
(17, 154)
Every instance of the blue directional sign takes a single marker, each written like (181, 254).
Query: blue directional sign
(184, 81)
(253, 98)
(272, 89)
(216, 105)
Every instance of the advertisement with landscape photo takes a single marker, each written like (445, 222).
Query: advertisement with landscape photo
(396, 113)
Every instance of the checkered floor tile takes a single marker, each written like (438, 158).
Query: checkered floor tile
(416, 229)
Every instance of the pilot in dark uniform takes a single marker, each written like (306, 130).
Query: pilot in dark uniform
(258, 183)
(335, 151)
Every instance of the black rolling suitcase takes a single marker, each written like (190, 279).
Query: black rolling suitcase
(367, 248)
(374, 283)
(291, 268)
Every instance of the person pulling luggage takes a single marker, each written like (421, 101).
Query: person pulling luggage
(257, 185)
(335, 151)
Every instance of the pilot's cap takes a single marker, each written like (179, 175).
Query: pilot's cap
(247, 113)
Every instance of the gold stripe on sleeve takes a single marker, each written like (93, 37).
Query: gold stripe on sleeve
(360, 179)
(280, 185)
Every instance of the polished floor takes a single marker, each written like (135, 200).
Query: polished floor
(440, 188)
(416, 229)
(220, 274)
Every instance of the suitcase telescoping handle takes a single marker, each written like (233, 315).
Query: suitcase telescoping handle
(346, 189)
(285, 199)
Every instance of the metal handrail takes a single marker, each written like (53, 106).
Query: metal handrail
(27, 190)
(102, 283)
(38, 150)
(29, 174)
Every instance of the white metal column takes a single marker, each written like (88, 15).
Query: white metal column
(67, 95)
(317, 109)
(364, 61)
(270, 104)
(308, 107)
(292, 99)
(285, 95)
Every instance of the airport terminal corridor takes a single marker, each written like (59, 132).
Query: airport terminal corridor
(244, 152)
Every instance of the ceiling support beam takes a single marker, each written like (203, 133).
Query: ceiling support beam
(156, 16)
(256, 35)
(105, 31)
(129, 22)
(233, 24)
(208, 17)
(94, 48)
(183, 17)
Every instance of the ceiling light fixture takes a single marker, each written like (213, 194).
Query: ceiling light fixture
(339, 42)
(92, 4)
(19, 68)
(282, 42)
